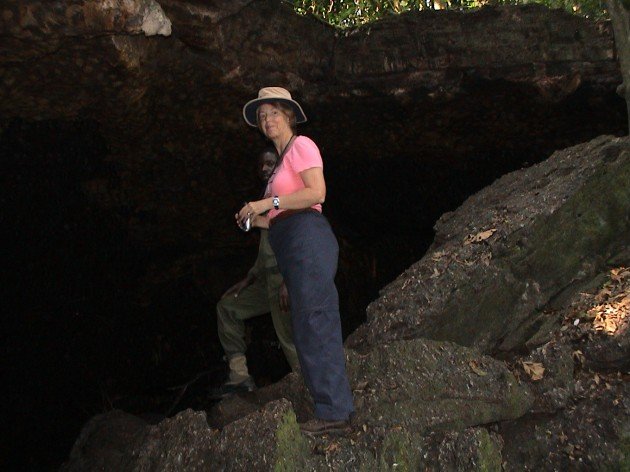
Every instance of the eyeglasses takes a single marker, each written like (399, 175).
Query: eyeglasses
(272, 114)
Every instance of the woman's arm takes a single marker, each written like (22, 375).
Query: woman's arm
(261, 221)
(314, 192)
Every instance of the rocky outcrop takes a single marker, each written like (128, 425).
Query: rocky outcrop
(421, 385)
(243, 45)
(403, 391)
(260, 441)
(509, 250)
(436, 405)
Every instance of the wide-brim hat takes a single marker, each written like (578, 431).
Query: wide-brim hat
(270, 95)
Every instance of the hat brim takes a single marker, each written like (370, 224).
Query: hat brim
(249, 110)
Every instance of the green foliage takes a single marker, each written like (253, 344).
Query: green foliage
(349, 13)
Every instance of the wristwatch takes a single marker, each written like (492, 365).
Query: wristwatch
(276, 202)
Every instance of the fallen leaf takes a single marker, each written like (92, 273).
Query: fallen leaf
(332, 447)
(535, 370)
(479, 237)
(476, 369)
(579, 356)
(437, 255)
(619, 274)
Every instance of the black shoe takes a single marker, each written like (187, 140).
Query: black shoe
(228, 389)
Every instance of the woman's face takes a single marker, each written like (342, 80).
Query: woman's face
(273, 122)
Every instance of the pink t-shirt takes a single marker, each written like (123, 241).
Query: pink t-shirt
(302, 155)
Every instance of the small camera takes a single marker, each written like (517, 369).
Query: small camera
(246, 224)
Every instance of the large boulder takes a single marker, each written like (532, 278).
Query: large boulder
(263, 440)
(509, 250)
(592, 433)
(426, 385)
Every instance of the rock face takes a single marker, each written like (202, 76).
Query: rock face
(421, 385)
(260, 441)
(433, 404)
(509, 250)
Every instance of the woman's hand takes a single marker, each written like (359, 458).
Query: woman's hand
(250, 210)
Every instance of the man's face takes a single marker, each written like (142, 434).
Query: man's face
(266, 164)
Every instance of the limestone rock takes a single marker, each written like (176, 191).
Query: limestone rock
(425, 385)
(262, 441)
(473, 449)
(107, 442)
(591, 434)
(556, 386)
(259, 441)
(508, 250)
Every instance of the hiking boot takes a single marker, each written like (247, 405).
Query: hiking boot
(318, 426)
(229, 388)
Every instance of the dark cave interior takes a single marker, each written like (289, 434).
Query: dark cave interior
(124, 156)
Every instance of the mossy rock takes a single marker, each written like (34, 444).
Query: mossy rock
(292, 449)
(425, 385)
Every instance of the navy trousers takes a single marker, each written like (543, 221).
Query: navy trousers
(306, 250)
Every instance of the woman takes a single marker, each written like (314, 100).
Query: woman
(306, 251)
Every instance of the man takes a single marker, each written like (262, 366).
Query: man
(261, 291)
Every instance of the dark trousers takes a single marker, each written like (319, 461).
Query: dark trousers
(307, 252)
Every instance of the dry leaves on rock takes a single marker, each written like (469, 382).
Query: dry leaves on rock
(578, 356)
(437, 255)
(486, 258)
(535, 370)
(332, 448)
(613, 308)
(479, 237)
(476, 369)
(607, 311)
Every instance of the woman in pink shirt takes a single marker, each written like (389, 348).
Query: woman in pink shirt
(306, 250)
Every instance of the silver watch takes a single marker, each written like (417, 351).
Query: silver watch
(276, 202)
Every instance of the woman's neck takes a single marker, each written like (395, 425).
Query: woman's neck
(281, 142)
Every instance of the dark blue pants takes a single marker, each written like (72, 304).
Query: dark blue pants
(307, 252)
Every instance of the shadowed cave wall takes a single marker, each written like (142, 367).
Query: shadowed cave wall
(119, 218)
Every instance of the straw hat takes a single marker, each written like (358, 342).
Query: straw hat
(269, 95)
